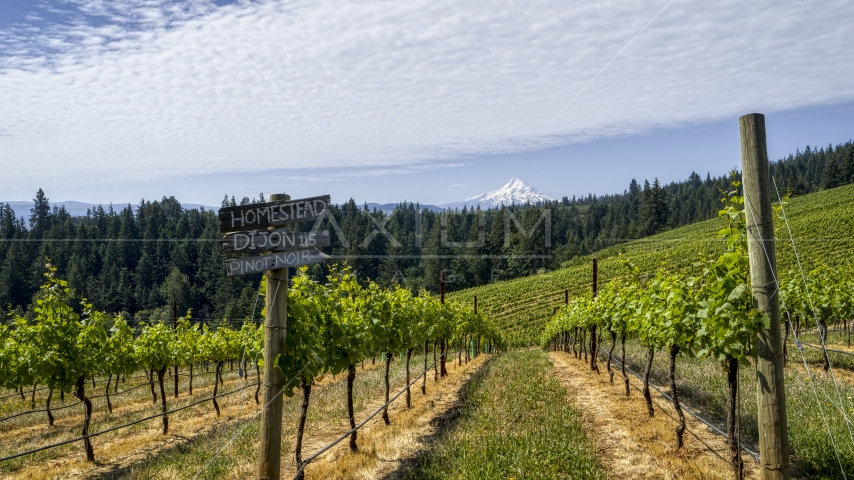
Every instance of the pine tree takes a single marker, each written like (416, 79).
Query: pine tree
(40, 214)
(654, 212)
(848, 163)
(832, 174)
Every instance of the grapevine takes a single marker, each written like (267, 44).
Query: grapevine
(331, 327)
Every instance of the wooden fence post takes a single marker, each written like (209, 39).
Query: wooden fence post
(275, 325)
(773, 429)
(593, 366)
(175, 329)
(473, 346)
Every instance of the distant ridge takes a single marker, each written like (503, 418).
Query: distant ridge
(513, 192)
(388, 207)
(78, 209)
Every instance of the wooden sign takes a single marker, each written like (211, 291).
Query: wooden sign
(276, 240)
(271, 214)
(295, 258)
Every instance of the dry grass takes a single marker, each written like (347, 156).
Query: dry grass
(382, 448)
(114, 448)
(119, 451)
(635, 446)
(143, 440)
(814, 443)
(229, 449)
(138, 405)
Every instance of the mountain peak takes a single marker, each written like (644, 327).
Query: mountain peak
(515, 191)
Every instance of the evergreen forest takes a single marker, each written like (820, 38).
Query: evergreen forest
(139, 259)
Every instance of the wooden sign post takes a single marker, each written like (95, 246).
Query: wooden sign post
(252, 229)
(276, 240)
(244, 266)
(275, 327)
(255, 216)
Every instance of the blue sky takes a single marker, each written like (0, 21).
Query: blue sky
(432, 101)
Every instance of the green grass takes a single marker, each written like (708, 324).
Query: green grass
(822, 224)
(516, 421)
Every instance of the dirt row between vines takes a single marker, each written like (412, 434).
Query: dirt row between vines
(384, 448)
(630, 444)
(137, 443)
(143, 440)
(134, 403)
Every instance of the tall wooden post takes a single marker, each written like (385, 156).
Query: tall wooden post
(566, 334)
(175, 329)
(442, 370)
(275, 325)
(595, 277)
(773, 429)
(593, 365)
(472, 346)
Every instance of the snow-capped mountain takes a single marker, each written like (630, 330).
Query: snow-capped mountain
(514, 192)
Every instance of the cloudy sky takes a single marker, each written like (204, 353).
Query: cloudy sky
(430, 100)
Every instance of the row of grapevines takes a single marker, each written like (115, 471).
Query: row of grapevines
(331, 327)
(706, 314)
(821, 224)
(824, 295)
(61, 349)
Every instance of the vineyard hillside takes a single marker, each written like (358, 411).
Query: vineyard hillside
(822, 225)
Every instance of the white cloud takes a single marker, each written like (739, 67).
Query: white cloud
(336, 175)
(158, 90)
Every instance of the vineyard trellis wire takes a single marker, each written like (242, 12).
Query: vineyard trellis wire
(335, 325)
(694, 414)
(126, 390)
(305, 462)
(237, 432)
(111, 429)
(796, 333)
(707, 313)
(325, 448)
